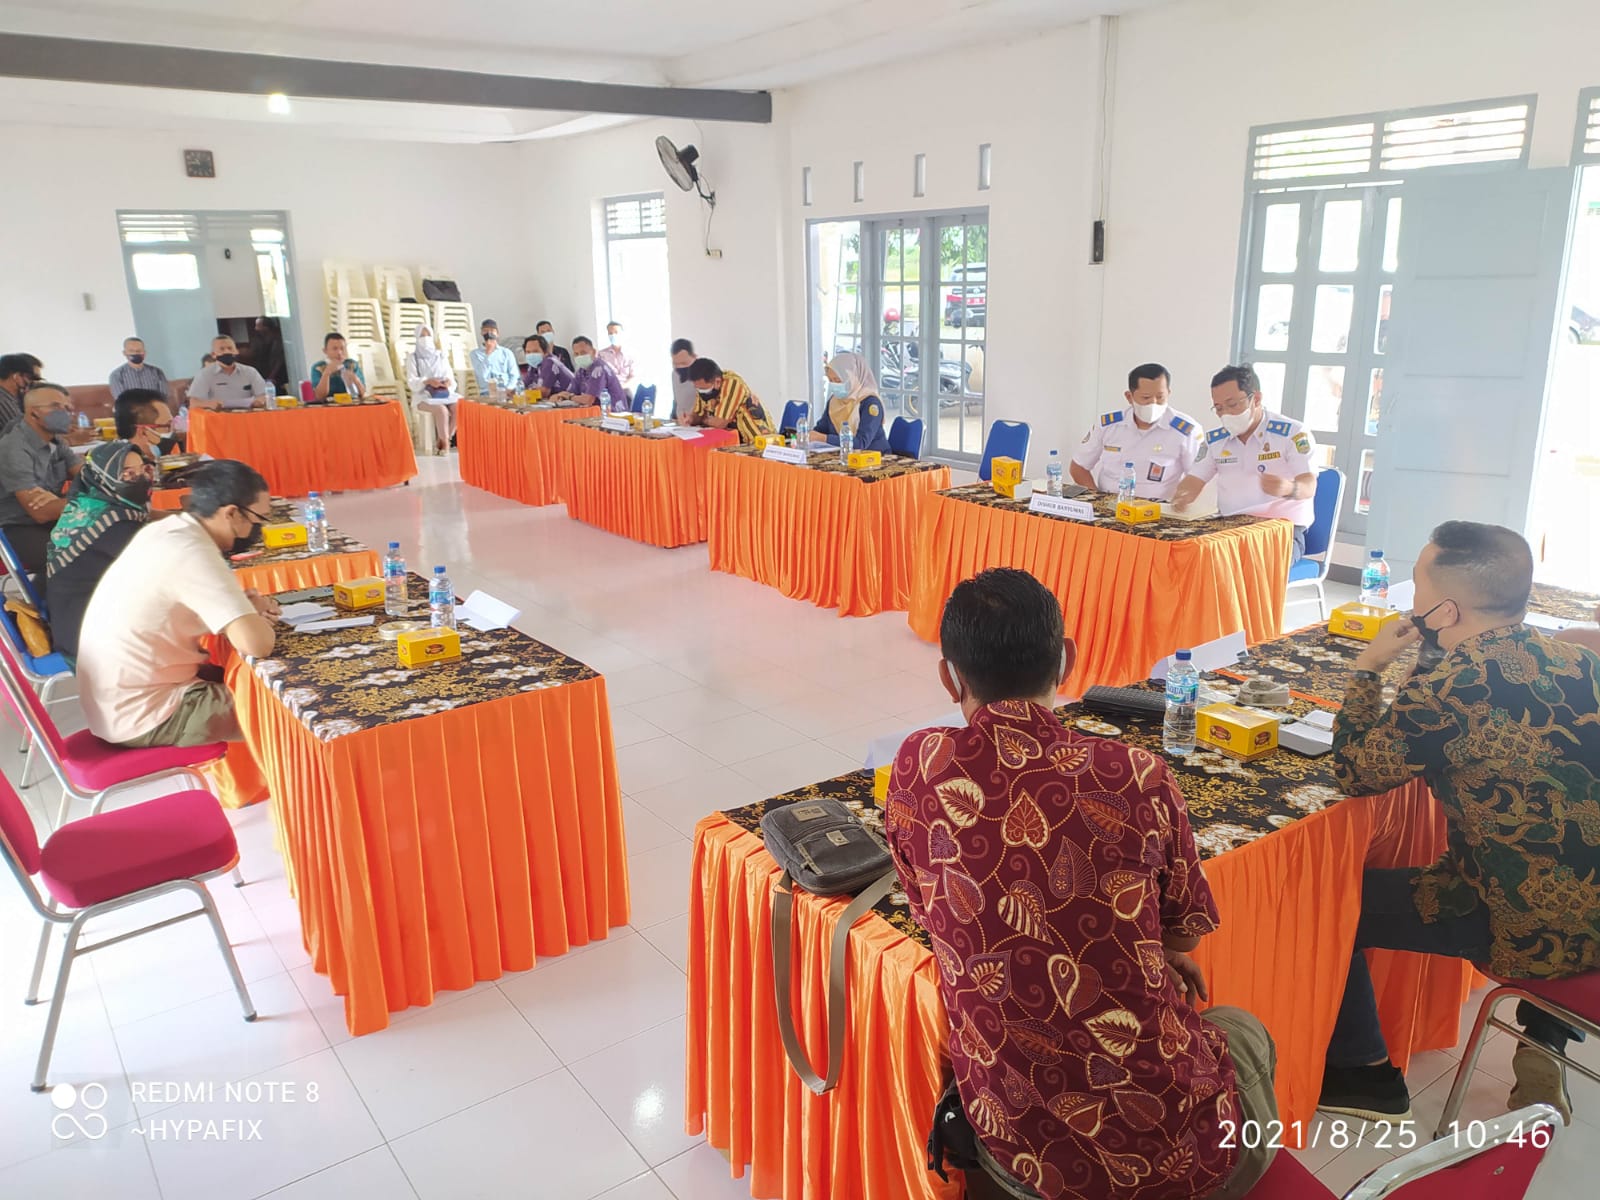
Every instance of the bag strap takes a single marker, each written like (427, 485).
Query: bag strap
(837, 1012)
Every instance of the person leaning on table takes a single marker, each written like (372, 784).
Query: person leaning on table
(544, 370)
(227, 383)
(725, 401)
(1161, 443)
(852, 401)
(144, 674)
(335, 374)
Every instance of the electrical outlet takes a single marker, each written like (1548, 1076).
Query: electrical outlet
(88, 302)
(713, 253)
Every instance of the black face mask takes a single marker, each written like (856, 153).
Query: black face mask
(249, 542)
(166, 445)
(683, 374)
(135, 491)
(1432, 652)
(136, 359)
(227, 360)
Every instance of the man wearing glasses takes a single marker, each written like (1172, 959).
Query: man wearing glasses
(1263, 465)
(35, 464)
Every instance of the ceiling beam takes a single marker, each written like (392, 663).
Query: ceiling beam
(78, 60)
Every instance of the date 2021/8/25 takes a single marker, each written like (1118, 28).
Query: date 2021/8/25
(1382, 1135)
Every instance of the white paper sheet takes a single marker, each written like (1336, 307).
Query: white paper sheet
(330, 626)
(881, 751)
(1553, 624)
(305, 610)
(483, 612)
(1212, 656)
(687, 432)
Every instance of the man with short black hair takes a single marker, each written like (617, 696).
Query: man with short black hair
(618, 359)
(592, 377)
(136, 372)
(336, 373)
(143, 666)
(492, 363)
(144, 419)
(1503, 724)
(1059, 880)
(35, 464)
(683, 393)
(1161, 443)
(18, 372)
(724, 401)
(548, 331)
(227, 383)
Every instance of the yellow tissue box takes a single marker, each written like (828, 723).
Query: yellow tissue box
(1017, 489)
(288, 401)
(286, 533)
(1005, 472)
(763, 440)
(880, 783)
(1237, 732)
(342, 398)
(864, 460)
(358, 593)
(1138, 512)
(1360, 621)
(423, 646)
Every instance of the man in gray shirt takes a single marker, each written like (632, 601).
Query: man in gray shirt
(35, 464)
(136, 373)
(227, 383)
(18, 372)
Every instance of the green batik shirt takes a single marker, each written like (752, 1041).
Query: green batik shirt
(1506, 733)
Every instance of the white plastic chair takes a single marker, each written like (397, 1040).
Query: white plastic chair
(390, 284)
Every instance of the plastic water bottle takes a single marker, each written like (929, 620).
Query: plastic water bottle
(394, 582)
(1375, 581)
(802, 430)
(1052, 474)
(83, 419)
(1127, 490)
(441, 601)
(647, 410)
(1183, 697)
(271, 395)
(846, 443)
(316, 524)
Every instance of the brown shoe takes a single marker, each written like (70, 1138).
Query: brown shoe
(1540, 1080)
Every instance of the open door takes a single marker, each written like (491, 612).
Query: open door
(1471, 338)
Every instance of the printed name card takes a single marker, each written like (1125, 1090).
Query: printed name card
(788, 454)
(618, 424)
(1060, 506)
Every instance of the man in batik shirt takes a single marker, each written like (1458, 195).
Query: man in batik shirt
(726, 402)
(1505, 730)
(1057, 877)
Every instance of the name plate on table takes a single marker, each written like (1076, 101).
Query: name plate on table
(1060, 506)
(795, 455)
(615, 424)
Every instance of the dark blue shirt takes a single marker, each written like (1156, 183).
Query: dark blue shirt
(870, 433)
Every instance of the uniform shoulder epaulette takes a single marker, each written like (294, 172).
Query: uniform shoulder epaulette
(1111, 418)
(1182, 426)
(1282, 428)
(1217, 435)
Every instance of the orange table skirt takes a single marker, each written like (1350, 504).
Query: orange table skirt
(168, 499)
(327, 448)
(1289, 906)
(652, 490)
(1128, 600)
(834, 540)
(429, 855)
(513, 454)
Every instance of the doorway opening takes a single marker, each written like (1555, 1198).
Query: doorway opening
(636, 291)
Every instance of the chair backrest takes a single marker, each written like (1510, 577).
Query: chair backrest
(1326, 507)
(644, 392)
(1007, 439)
(25, 702)
(792, 412)
(8, 555)
(1502, 1165)
(19, 841)
(19, 649)
(905, 437)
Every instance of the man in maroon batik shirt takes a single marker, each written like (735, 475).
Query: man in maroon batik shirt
(1057, 877)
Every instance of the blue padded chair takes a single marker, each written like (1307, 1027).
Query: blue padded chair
(1007, 439)
(792, 412)
(13, 565)
(642, 393)
(905, 437)
(1327, 504)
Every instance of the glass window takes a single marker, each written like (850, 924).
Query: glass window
(1272, 316)
(1280, 242)
(1380, 336)
(1324, 391)
(1272, 375)
(1391, 236)
(1374, 402)
(166, 272)
(1330, 320)
(1364, 482)
(1341, 235)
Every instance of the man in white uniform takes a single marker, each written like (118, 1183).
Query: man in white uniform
(1161, 443)
(1263, 467)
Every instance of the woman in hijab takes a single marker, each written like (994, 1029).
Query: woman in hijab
(853, 401)
(433, 386)
(110, 502)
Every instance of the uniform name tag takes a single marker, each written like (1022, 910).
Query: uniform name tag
(1267, 457)
(785, 454)
(1060, 506)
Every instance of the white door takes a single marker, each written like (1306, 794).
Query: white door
(1472, 332)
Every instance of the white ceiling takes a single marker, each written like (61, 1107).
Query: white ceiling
(768, 44)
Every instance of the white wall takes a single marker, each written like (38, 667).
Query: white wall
(384, 202)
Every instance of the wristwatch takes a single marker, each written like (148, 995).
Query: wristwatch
(1367, 676)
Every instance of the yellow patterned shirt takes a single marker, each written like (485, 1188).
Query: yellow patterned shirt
(735, 402)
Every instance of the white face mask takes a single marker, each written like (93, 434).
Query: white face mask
(424, 343)
(615, 339)
(1149, 413)
(1239, 424)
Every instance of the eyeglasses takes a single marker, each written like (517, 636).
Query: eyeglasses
(250, 512)
(167, 428)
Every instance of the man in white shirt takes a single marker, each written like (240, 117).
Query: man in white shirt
(615, 357)
(144, 677)
(1263, 466)
(1161, 443)
(493, 363)
(227, 383)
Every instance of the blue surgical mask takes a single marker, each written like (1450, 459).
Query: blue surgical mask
(535, 359)
(837, 391)
(582, 360)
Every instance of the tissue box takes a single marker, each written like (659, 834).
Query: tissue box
(1360, 621)
(285, 533)
(423, 646)
(1237, 732)
(287, 400)
(864, 460)
(1005, 472)
(358, 593)
(763, 440)
(1138, 512)
(880, 784)
(342, 398)
(1016, 489)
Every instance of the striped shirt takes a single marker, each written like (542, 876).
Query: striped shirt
(127, 377)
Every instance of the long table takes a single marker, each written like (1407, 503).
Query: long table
(439, 826)
(328, 448)
(511, 450)
(837, 537)
(650, 487)
(1129, 594)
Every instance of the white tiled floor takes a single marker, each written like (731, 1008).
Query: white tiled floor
(564, 1082)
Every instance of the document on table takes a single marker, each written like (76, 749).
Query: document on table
(686, 432)
(330, 626)
(1550, 624)
(483, 612)
(295, 614)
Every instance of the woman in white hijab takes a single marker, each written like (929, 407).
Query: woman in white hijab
(433, 386)
(853, 401)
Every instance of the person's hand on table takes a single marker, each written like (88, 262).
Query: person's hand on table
(265, 605)
(1187, 975)
(1277, 485)
(1393, 640)
(716, 422)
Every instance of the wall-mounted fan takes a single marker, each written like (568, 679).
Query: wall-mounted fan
(680, 166)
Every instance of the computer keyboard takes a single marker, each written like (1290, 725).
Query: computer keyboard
(1125, 702)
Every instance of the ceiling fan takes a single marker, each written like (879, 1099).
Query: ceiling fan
(680, 166)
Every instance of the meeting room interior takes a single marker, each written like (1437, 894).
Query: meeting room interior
(537, 660)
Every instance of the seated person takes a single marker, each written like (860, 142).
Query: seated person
(683, 395)
(1263, 465)
(548, 332)
(492, 364)
(998, 848)
(853, 401)
(1505, 731)
(433, 386)
(544, 370)
(227, 383)
(1580, 636)
(18, 372)
(336, 374)
(591, 377)
(144, 419)
(35, 464)
(1161, 443)
(137, 373)
(618, 359)
(110, 503)
(725, 401)
(144, 675)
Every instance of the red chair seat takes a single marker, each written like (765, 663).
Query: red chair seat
(1578, 993)
(130, 849)
(94, 765)
(1288, 1179)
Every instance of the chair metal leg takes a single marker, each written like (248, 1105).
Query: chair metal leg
(1469, 1062)
(27, 767)
(227, 951)
(237, 877)
(38, 961)
(53, 1022)
(1322, 601)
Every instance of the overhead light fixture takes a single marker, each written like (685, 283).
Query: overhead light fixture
(278, 102)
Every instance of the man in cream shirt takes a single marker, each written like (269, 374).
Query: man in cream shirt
(144, 676)
(1160, 442)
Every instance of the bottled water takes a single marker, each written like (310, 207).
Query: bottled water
(846, 443)
(1375, 581)
(802, 430)
(1183, 697)
(394, 582)
(271, 395)
(441, 601)
(83, 419)
(1127, 489)
(647, 410)
(1052, 474)
(316, 524)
